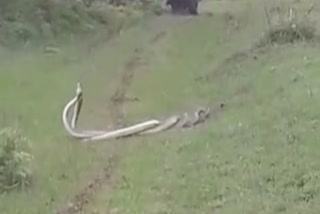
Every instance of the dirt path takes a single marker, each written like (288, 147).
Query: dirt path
(105, 177)
(119, 97)
(160, 27)
(82, 198)
(117, 106)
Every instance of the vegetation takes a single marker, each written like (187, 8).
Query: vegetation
(289, 26)
(259, 154)
(25, 21)
(14, 158)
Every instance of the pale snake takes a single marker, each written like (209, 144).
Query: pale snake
(144, 128)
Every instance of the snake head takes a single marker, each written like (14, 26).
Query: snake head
(79, 89)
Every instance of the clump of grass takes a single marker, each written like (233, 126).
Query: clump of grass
(290, 33)
(288, 27)
(15, 170)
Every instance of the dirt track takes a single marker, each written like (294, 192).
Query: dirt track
(82, 198)
(105, 177)
(117, 108)
(119, 97)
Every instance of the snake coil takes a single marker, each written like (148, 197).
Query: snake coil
(144, 128)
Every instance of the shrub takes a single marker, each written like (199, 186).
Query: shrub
(14, 160)
(290, 33)
(287, 26)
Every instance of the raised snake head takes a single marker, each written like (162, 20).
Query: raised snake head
(79, 89)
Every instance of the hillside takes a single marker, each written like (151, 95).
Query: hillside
(257, 154)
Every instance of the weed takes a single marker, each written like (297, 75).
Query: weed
(14, 159)
(288, 27)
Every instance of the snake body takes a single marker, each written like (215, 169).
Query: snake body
(144, 128)
(169, 123)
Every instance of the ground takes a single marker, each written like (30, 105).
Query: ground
(257, 155)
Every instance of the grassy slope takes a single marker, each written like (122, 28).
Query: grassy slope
(34, 88)
(258, 156)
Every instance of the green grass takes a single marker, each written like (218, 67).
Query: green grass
(257, 156)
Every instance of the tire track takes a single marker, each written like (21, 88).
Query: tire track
(119, 97)
(117, 101)
(81, 199)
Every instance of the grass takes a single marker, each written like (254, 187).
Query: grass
(257, 156)
(42, 22)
